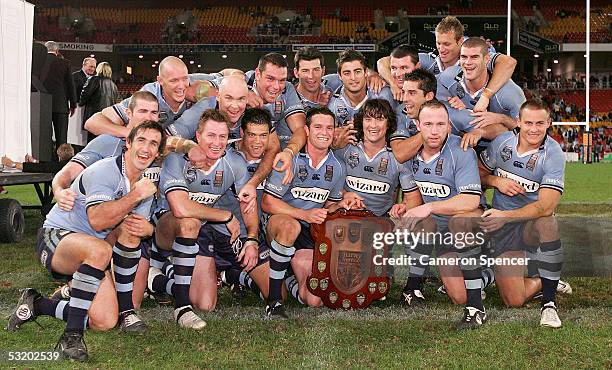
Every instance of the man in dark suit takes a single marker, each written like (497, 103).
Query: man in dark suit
(57, 79)
(80, 77)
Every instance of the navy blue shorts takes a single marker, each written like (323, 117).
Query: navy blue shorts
(509, 238)
(213, 243)
(46, 242)
(145, 249)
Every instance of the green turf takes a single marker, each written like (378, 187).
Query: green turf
(387, 335)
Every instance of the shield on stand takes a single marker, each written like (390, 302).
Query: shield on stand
(344, 274)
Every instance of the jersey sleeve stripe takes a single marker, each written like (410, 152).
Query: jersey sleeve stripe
(557, 188)
(78, 161)
(475, 192)
(410, 190)
(173, 188)
(484, 163)
(267, 191)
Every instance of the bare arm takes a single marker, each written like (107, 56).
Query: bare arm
(65, 176)
(107, 122)
(458, 204)
(502, 72)
(108, 214)
(251, 221)
(183, 207)
(275, 206)
(548, 199)
(412, 199)
(384, 69)
(405, 149)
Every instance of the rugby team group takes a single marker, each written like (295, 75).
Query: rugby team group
(204, 177)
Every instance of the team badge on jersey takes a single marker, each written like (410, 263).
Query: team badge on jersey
(532, 162)
(353, 159)
(506, 153)
(163, 117)
(218, 179)
(342, 113)
(439, 167)
(329, 173)
(302, 172)
(415, 166)
(190, 174)
(382, 167)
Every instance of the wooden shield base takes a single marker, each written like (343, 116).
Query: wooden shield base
(343, 272)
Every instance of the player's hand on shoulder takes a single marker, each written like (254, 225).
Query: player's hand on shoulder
(482, 104)
(324, 98)
(375, 82)
(144, 188)
(254, 100)
(398, 93)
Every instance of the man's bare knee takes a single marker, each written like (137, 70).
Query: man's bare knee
(547, 228)
(103, 321)
(99, 256)
(189, 227)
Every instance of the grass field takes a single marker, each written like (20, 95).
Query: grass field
(387, 335)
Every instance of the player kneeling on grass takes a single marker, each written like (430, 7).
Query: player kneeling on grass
(316, 189)
(189, 192)
(111, 197)
(526, 168)
(214, 239)
(447, 177)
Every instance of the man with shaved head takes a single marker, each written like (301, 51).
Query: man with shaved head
(174, 89)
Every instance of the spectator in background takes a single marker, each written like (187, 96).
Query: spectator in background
(57, 80)
(31, 164)
(80, 77)
(98, 93)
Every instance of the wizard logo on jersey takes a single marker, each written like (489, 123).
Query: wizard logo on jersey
(353, 159)
(506, 153)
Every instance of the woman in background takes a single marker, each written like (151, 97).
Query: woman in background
(98, 93)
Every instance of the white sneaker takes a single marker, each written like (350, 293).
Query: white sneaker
(564, 287)
(186, 318)
(549, 317)
(153, 272)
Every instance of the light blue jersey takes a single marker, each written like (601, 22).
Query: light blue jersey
(507, 100)
(286, 104)
(448, 173)
(229, 201)
(406, 126)
(166, 115)
(340, 105)
(229, 173)
(311, 186)
(103, 181)
(375, 179)
(431, 62)
(539, 168)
